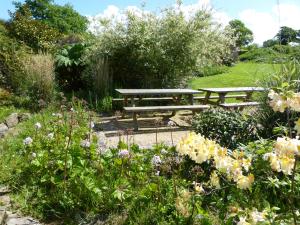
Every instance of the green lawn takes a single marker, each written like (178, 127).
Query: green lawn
(240, 75)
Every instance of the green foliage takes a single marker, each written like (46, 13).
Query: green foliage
(270, 43)
(64, 19)
(226, 127)
(158, 51)
(70, 66)
(286, 35)
(34, 33)
(282, 78)
(243, 34)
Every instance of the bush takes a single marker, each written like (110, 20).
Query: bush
(38, 78)
(228, 128)
(282, 79)
(70, 66)
(156, 51)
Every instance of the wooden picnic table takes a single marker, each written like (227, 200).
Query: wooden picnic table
(177, 94)
(222, 92)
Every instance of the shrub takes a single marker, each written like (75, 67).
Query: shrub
(38, 78)
(70, 66)
(159, 51)
(282, 79)
(228, 128)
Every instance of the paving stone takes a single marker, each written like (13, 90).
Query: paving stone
(2, 215)
(12, 120)
(4, 190)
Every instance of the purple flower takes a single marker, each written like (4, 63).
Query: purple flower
(123, 153)
(156, 160)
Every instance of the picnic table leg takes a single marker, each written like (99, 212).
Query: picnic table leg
(132, 101)
(135, 122)
(221, 99)
(207, 96)
(248, 96)
(177, 100)
(191, 99)
(124, 104)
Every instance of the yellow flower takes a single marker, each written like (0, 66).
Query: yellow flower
(294, 102)
(214, 180)
(297, 126)
(287, 165)
(245, 182)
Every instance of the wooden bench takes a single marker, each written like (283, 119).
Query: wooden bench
(140, 109)
(241, 96)
(239, 104)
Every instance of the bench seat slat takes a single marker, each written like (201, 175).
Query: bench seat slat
(216, 97)
(165, 108)
(145, 99)
(239, 104)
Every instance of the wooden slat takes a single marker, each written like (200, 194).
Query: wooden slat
(216, 97)
(239, 104)
(137, 92)
(146, 99)
(165, 108)
(233, 89)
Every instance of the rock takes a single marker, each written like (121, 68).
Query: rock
(2, 215)
(12, 120)
(4, 190)
(14, 219)
(5, 200)
(24, 116)
(3, 129)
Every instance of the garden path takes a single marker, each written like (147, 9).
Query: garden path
(153, 128)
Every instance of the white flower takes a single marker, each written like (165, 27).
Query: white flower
(50, 136)
(38, 126)
(164, 151)
(123, 153)
(258, 216)
(243, 221)
(156, 160)
(33, 155)
(92, 124)
(157, 173)
(85, 143)
(27, 141)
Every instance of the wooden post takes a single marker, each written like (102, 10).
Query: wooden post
(135, 122)
(207, 96)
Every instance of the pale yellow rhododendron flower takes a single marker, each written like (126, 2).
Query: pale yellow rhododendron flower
(294, 102)
(245, 182)
(278, 102)
(214, 180)
(297, 126)
(201, 149)
(282, 159)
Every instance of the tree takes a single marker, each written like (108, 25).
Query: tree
(241, 32)
(62, 18)
(270, 43)
(287, 35)
(34, 33)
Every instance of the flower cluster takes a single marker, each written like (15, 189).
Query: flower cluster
(201, 150)
(282, 158)
(280, 102)
(253, 217)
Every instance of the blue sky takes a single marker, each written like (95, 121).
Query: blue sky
(261, 16)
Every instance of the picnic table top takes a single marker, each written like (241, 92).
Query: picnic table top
(232, 89)
(135, 92)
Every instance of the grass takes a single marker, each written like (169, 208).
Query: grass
(240, 75)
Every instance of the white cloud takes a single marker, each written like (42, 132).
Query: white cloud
(265, 25)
